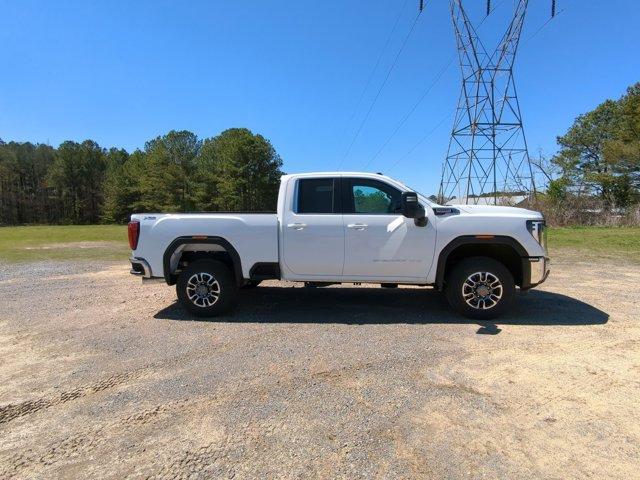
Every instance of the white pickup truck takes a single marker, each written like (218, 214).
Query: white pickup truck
(339, 227)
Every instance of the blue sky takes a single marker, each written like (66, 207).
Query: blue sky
(124, 72)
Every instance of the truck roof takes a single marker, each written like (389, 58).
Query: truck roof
(337, 174)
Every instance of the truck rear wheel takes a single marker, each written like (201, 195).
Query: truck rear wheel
(480, 288)
(206, 288)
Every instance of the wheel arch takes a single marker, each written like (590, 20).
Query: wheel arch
(506, 250)
(180, 243)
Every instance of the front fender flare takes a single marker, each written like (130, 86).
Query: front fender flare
(477, 240)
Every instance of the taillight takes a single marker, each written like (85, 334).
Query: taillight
(134, 233)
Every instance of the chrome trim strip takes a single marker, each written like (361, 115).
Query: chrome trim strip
(539, 268)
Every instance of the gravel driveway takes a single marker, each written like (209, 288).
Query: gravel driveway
(101, 376)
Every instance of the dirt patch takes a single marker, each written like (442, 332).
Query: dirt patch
(73, 245)
(103, 377)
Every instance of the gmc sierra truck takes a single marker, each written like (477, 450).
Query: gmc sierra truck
(339, 227)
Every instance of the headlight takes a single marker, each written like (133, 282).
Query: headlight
(538, 229)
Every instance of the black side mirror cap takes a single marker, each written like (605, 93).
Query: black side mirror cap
(409, 204)
(420, 219)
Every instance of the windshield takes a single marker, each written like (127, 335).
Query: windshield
(421, 195)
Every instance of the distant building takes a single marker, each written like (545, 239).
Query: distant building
(515, 200)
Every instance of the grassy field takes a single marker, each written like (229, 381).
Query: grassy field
(595, 242)
(72, 242)
(109, 242)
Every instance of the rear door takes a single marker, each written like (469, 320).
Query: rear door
(313, 233)
(379, 241)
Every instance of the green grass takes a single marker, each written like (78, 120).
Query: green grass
(596, 242)
(72, 242)
(109, 242)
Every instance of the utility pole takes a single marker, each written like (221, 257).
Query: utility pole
(487, 154)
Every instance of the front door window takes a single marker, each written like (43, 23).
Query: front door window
(373, 197)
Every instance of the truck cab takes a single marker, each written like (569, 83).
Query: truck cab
(352, 228)
(345, 227)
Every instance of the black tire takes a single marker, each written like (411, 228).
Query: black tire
(251, 284)
(207, 288)
(484, 298)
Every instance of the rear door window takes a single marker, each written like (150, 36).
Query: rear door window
(317, 195)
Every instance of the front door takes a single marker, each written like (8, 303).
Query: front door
(313, 234)
(379, 241)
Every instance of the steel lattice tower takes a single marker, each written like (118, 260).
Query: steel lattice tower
(487, 153)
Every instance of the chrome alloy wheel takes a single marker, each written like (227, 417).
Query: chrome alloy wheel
(203, 289)
(482, 290)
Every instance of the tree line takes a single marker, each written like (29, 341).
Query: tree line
(83, 183)
(595, 176)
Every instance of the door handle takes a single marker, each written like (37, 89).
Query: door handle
(297, 226)
(358, 226)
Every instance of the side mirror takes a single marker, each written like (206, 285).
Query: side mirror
(409, 204)
(411, 208)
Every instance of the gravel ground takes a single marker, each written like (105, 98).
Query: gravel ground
(101, 376)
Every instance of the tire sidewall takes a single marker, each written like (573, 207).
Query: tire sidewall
(471, 265)
(224, 277)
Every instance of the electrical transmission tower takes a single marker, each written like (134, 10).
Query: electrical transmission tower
(487, 153)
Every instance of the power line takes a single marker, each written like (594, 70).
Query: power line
(491, 9)
(438, 76)
(542, 26)
(408, 114)
(419, 142)
(382, 85)
(375, 67)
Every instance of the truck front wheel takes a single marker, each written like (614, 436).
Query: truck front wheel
(206, 288)
(480, 288)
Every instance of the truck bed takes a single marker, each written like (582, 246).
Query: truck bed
(253, 235)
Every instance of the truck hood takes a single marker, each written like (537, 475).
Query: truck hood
(498, 211)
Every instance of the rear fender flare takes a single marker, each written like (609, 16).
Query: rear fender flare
(170, 278)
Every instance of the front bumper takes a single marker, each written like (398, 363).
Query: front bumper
(535, 270)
